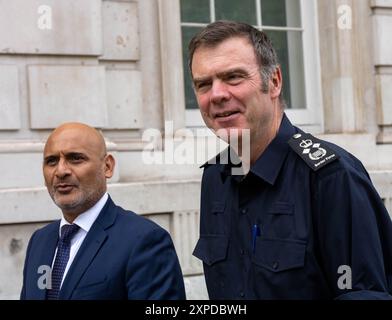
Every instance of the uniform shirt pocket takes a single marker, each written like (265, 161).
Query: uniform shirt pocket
(278, 255)
(211, 248)
(215, 219)
(280, 220)
(281, 208)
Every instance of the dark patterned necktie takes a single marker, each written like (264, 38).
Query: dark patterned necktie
(62, 257)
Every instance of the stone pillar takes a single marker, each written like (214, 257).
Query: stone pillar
(172, 73)
(347, 68)
(382, 44)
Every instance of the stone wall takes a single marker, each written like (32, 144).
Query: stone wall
(91, 61)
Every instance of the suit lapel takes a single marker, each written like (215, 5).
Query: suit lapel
(49, 244)
(91, 245)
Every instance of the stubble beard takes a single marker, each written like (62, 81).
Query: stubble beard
(84, 198)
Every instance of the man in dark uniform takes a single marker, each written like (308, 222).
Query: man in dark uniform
(304, 220)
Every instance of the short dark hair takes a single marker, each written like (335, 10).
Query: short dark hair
(216, 32)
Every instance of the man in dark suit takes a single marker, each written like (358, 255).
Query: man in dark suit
(97, 250)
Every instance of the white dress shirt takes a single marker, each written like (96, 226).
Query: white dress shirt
(85, 220)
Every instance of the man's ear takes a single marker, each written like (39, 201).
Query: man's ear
(276, 83)
(109, 165)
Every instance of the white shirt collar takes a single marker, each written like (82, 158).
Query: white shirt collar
(86, 219)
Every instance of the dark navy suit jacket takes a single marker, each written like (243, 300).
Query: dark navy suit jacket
(124, 256)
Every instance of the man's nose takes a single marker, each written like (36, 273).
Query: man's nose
(62, 168)
(219, 92)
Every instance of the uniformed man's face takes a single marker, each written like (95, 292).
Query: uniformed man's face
(76, 167)
(228, 87)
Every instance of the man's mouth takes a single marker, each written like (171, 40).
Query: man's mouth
(64, 187)
(225, 114)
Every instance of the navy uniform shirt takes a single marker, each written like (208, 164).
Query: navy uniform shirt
(286, 231)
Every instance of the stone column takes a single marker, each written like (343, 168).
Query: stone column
(347, 65)
(382, 44)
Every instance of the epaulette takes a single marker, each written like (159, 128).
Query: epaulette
(313, 151)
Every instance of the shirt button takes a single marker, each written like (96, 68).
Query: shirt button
(275, 265)
(242, 252)
(244, 210)
(242, 294)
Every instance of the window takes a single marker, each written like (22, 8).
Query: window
(291, 26)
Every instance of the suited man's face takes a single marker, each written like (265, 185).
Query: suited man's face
(76, 167)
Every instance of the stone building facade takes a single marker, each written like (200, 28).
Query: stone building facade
(117, 65)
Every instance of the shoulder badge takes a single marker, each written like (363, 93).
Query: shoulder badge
(313, 151)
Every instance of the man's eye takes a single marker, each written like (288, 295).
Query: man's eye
(234, 77)
(51, 162)
(77, 158)
(202, 85)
